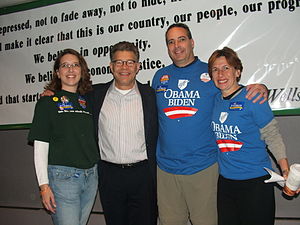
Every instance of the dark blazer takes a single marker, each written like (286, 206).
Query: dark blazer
(150, 117)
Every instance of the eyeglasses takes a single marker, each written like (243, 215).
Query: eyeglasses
(68, 66)
(129, 63)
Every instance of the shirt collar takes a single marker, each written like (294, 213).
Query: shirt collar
(134, 90)
(195, 60)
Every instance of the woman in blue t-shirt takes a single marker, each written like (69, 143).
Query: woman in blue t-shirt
(242, 130)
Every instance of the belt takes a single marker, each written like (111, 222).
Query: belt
(126, 165)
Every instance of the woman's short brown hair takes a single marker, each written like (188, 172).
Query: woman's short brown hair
(231, 57)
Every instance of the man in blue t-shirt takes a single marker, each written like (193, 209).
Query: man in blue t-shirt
(186, 150)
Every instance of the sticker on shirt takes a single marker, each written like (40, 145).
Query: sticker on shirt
(55, 99)
(236, 106)
(204, 77)
(64, 99)
(179, 112)
(164, 79)
(182, 84)
(82, 102)
(65, 106)
(223, 117)
(65, 103)
(229, 145)
(161, 88)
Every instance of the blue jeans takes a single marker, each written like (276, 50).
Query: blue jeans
(74, 191)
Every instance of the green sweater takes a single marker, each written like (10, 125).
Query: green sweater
(65, 122)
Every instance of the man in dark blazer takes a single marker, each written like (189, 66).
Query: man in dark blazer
(125, 118)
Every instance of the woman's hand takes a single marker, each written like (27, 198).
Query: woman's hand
(48, 198)
(284, 166)
(285, 169)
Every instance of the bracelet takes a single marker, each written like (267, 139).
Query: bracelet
(44, 190)
(286, 170)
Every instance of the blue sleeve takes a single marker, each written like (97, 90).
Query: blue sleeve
(262, 113)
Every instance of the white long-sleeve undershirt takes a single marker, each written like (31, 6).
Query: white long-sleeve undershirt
(41, 150)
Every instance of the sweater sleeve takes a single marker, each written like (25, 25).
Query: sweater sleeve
(271, 135)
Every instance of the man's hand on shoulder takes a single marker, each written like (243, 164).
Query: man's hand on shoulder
(254, 89)
(47, 92)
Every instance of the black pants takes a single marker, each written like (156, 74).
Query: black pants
(245, 202)
(128, 195)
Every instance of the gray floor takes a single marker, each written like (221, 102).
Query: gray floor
(40, 217)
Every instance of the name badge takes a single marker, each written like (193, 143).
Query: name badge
(236, 106)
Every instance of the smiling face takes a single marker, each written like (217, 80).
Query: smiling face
(69, 72)
(124, 67)
(225, 76)
(180, 46)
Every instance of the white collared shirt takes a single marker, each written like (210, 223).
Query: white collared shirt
(121, 127)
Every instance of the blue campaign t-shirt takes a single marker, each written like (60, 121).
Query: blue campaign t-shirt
(185, 97)
(236, 123)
